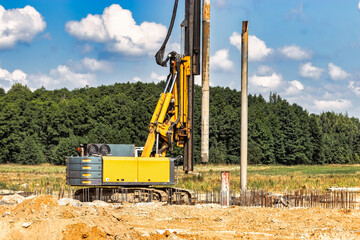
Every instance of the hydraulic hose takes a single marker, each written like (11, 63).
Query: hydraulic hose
(159, 56)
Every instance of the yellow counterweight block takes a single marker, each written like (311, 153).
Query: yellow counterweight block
(137, 171)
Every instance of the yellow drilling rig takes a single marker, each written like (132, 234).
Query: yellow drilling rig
(110, 169)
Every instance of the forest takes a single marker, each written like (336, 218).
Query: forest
(45, 126)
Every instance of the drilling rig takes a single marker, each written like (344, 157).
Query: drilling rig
(110, 169)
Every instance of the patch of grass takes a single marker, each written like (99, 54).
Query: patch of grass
(273, 178)
(23, 177)
(3, 185)
(277, 178)
(42, 168)
(305, 169)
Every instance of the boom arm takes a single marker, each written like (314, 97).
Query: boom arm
(169, 121)
(163, 133)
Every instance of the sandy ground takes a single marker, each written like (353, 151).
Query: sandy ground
(42, 218)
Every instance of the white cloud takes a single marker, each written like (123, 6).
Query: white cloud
(264, 70)
(309, 71)
(268, 82)
(137, 79)
(220, 61)
(233, 84)
(258, 50)
(173, 47)
(47, 36)
(60, 77)
(265, 80)
(7, 79)
(94, 65)
(235, 39)
(197, 80)
(328, 95)
(156, 78)
(19, 25)
(359, 6)
(295, 52)
(90, 65)
(90, 28)
(295, 87)
(152, 78)
(119, 31)
(86, 48)
(336, 73)
(332, 105)
(355, 88)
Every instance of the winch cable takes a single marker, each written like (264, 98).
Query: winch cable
(159, 56)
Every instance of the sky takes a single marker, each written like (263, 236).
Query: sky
(307, 51)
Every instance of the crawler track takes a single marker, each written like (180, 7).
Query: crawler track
(136, 194)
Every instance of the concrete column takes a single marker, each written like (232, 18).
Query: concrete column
(205, 82)
(225, 188)
(244, 105)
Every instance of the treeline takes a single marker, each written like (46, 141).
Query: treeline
(45, 126)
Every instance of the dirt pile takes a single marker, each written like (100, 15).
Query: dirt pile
(35, 205)
(44, 218)
(69, 201)
(3, 209)
(11, 199)
(82, 231)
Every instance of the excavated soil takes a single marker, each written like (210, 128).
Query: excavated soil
(82, 231)
(42, 218)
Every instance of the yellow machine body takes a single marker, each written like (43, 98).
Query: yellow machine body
(120, 169)
(137, 171)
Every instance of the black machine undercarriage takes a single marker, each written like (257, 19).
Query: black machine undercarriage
(170, 195)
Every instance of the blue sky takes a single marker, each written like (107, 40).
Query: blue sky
(306, 51)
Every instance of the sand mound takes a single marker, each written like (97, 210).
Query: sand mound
(97, 203)
(2, 210)
(69, 201)
(43, 203)
(11, 199)
(82, 231)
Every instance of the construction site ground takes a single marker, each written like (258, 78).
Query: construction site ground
(45, 217)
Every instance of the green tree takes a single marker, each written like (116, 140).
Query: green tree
(31, 152)
(66, 147)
